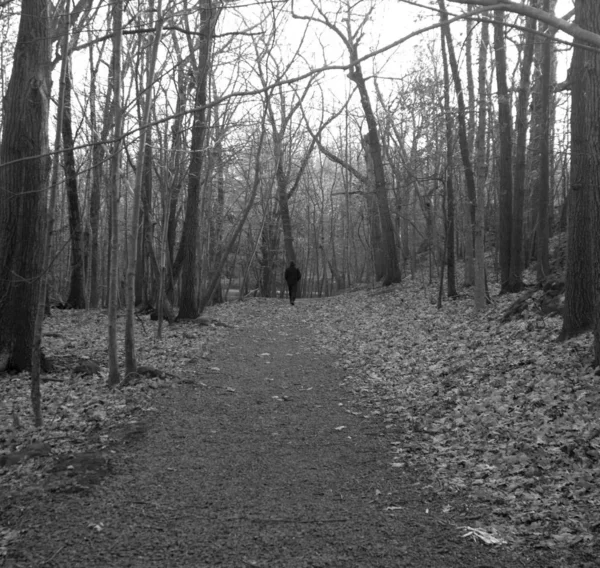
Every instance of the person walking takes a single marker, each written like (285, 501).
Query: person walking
(292, 277)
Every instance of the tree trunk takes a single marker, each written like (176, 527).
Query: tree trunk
(23, 184)
(216, 276)
(187, 255)
(76, 299)
(98, 155)
(515, 278)
(130, 353)
(505, 154)
(373, 216)
(115, 185)
(462, 123)
(479, 228)
(449, 236)
(392, 268)
(543, 221)
(590, 19)
(579, 286)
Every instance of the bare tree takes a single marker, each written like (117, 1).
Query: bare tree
(350, 35)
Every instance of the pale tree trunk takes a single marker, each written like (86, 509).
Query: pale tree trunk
(481, 173)
(515, 278)
(130, 355)
(115, 185)
(46, 238)
(23, 183)
(505, 153)
(578, 311)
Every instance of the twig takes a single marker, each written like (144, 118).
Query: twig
(48, 560)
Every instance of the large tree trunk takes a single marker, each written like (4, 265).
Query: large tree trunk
(76, 299)
(373, 146)
(589, 10)
(373, 217)
(505, 156)
(579, 297)
(23, 184)
(187, 255)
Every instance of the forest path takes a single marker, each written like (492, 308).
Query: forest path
(259, 458)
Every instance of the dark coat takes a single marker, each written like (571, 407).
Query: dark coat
(292, 274)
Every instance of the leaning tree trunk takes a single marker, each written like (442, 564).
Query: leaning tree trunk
(24, 167)
(373, 144)
(76, 299)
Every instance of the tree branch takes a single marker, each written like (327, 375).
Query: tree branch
(538, 14)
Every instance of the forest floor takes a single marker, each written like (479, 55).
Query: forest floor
(366, 430)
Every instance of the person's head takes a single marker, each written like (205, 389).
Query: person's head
(292, 263)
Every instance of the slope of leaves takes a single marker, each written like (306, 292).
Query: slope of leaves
(501, 412)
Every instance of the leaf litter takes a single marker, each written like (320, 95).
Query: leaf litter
(500, 412)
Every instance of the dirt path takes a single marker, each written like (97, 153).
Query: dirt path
(260, 459)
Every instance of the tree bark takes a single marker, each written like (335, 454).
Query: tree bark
(462, 122)
(505, 153)
(186, 262)
(24, 168)
(543, 221)
(515, 278)
(76, 298)
(578, 311)
(130, 353)
(115, 185)
(449, 236)
(590, 18)
(392, 268)
(481, 173)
